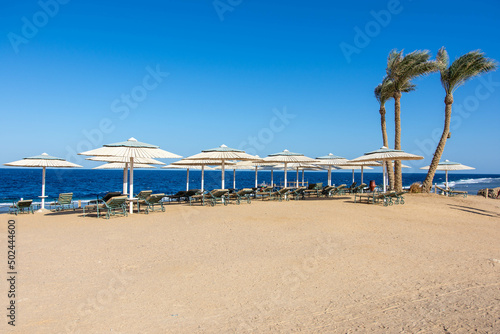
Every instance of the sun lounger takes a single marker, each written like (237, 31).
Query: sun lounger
(327, 191)
(457, 193)
(106, 197)
(113, 206)
(373, 198)
(281, 194)
(297, 193)
(143, 194)
(242, 195)
(178, 196)
(339, 190)
(264, 192)
(150, 202)
(314, 189)
(210, 198)
(359, 188)
(22, 206)
(65, 200)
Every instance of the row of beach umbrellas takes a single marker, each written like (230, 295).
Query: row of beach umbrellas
(132, 154)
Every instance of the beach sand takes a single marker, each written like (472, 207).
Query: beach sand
(431, 265)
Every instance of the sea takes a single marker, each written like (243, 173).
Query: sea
(88, 184)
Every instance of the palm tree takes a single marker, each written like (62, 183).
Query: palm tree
(383, 93)
(464, 68)
(402, 70)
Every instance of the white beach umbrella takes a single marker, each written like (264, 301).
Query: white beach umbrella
(187, 167)
(287, 157)
(449, 165)
(223, 154)
(125, 161)
(131, 149)
(355, 167)
(44, 160)
(330, 160)
(386, 154)
(121, 165)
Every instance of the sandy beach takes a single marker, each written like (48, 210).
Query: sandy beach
(431, 265)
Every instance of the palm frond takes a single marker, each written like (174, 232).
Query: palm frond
(464, 68)
(409, 67)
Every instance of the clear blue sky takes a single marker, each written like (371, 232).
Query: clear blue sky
(74, 70)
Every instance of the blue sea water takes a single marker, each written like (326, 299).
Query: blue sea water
(86, 184)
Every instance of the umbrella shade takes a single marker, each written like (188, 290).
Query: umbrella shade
(43, 160)
(121, 165)
(386, 154)
(131, 149)
(127, 160)
(449, 165)
(330, 160)
(287, 157)
(222, 153)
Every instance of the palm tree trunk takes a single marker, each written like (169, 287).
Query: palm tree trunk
(385, 140)
(398, 177)
(427, 185)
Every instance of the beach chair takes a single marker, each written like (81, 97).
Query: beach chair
(314, 189)
(442, 191)
(106, 197)
(339, 190)
(177, 196)
(264, 192)
(143, 194)
(113, 206)
(210, 198)
(373, 198)
(21, 207)
(65, 200)
(150, 202)
(297, 193)
(281, 194)
(327, 191)
(358, 189)
(242, 195)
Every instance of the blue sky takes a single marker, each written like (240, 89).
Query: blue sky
(190, 75)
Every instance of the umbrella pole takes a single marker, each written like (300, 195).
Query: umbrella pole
(353, 176)
(234, 178)
(302, 177)
(131, 194)
(187, 179)
(446, 180)
(202, 176)
(223, 175)
(256, 176)
(43, 189)
(383, 173)
(297, 178)
(361, 177)
(272, 181)
(329, 175)
(285, 174)
(125, 172)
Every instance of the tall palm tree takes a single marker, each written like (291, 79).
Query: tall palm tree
(464, 68)
(383, 93)
(402, 70)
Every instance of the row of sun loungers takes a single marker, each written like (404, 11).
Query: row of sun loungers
(115, 203)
